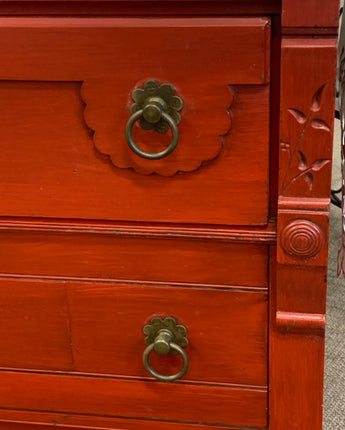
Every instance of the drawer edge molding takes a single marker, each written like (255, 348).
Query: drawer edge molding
(159, 259)
(56, 278)
(12, 419)
(262, 235)
(298, 322)
(128, 378)
(16, 425)
(142, 8)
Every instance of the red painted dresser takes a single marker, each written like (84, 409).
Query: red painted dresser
(164, 187)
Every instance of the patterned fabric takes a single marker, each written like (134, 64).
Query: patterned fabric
(341, 251)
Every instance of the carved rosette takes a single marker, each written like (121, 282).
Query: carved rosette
(302, 239)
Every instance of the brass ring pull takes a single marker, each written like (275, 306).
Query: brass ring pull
(156, 106)
(166, 378)
(152, 155)
(165, 336)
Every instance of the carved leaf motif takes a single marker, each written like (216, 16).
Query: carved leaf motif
(285, 147)
(319, 124)
(298, 115)
(319, 164)
(298, 159)
(309, 178)
(303, 161)
(316, 103)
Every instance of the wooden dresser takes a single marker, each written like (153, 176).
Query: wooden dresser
(164, 186)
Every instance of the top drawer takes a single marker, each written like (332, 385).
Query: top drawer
(66, 89)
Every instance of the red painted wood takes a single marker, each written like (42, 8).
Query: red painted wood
(87, 2)
(69, 177)
(125, 7)
(313, 14)
(299, 278)
(303, 237)
(263, 235)
(302, 292)
(275, 114)
(79, 420)
(39, 426)
(297, 322)
(97, 328)
(116, 397)
(306, 117)
(224, 338)
(301, 358)
(73, 291)
(35, 327)
(137, 259)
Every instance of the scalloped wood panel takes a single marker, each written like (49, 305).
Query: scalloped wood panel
(65, 104)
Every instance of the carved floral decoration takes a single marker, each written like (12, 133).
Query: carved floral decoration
(301, 166)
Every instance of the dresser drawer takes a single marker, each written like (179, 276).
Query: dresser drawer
(100, 423)
(130, 255)
(98, 328)
(117, 398)
(93, 333)
(66, 87)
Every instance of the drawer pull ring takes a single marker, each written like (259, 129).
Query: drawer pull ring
(151, 155)
(156, 106)
(165, 336)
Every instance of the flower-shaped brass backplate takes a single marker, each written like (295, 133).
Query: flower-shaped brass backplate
(166, 93)
(179, 332)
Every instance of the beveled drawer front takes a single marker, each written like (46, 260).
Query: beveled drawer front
(118, 398)
(66, 89)
(98, 328)
(120, 257)
(99, 422)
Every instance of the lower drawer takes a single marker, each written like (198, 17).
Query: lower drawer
(27, 420)
(114, 254)
(150, 402)
(79, 346)
(92, 327)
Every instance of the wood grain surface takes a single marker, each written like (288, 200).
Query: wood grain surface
(19, 420)
(40, 426)
(314, 15)
(298, 279)
(98, 328)
(130, 258)
(95, 241)
(139, 7)
(68, 101)
(152, 400)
